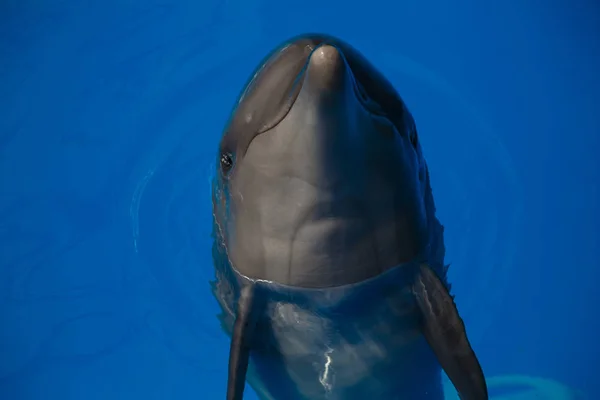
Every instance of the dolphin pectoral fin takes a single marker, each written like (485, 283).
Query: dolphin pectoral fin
(239, 350)
(445, 333)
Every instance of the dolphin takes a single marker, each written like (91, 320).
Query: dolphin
(328, 255)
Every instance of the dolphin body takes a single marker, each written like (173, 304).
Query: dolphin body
(329, 259)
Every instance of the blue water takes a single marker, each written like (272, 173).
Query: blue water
(110, 114)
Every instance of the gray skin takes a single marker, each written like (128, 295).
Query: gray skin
(329, 258)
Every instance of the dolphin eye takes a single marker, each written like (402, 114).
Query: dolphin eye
(226, 162)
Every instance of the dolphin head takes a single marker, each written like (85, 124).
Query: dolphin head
(320, 178)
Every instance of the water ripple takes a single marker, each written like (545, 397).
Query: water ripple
(170, 211)
(99, 89)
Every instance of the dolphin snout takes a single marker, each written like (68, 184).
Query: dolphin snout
(326, 71)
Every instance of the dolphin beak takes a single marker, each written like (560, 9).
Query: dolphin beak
(327, 78)
(324, 130)
(326, 70)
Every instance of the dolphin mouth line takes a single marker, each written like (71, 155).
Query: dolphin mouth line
(366, 102)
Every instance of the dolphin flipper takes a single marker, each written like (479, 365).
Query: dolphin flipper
(239, 350)
(445, 332)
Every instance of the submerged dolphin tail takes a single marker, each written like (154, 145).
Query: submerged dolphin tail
(445, 332)
(239, 352)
